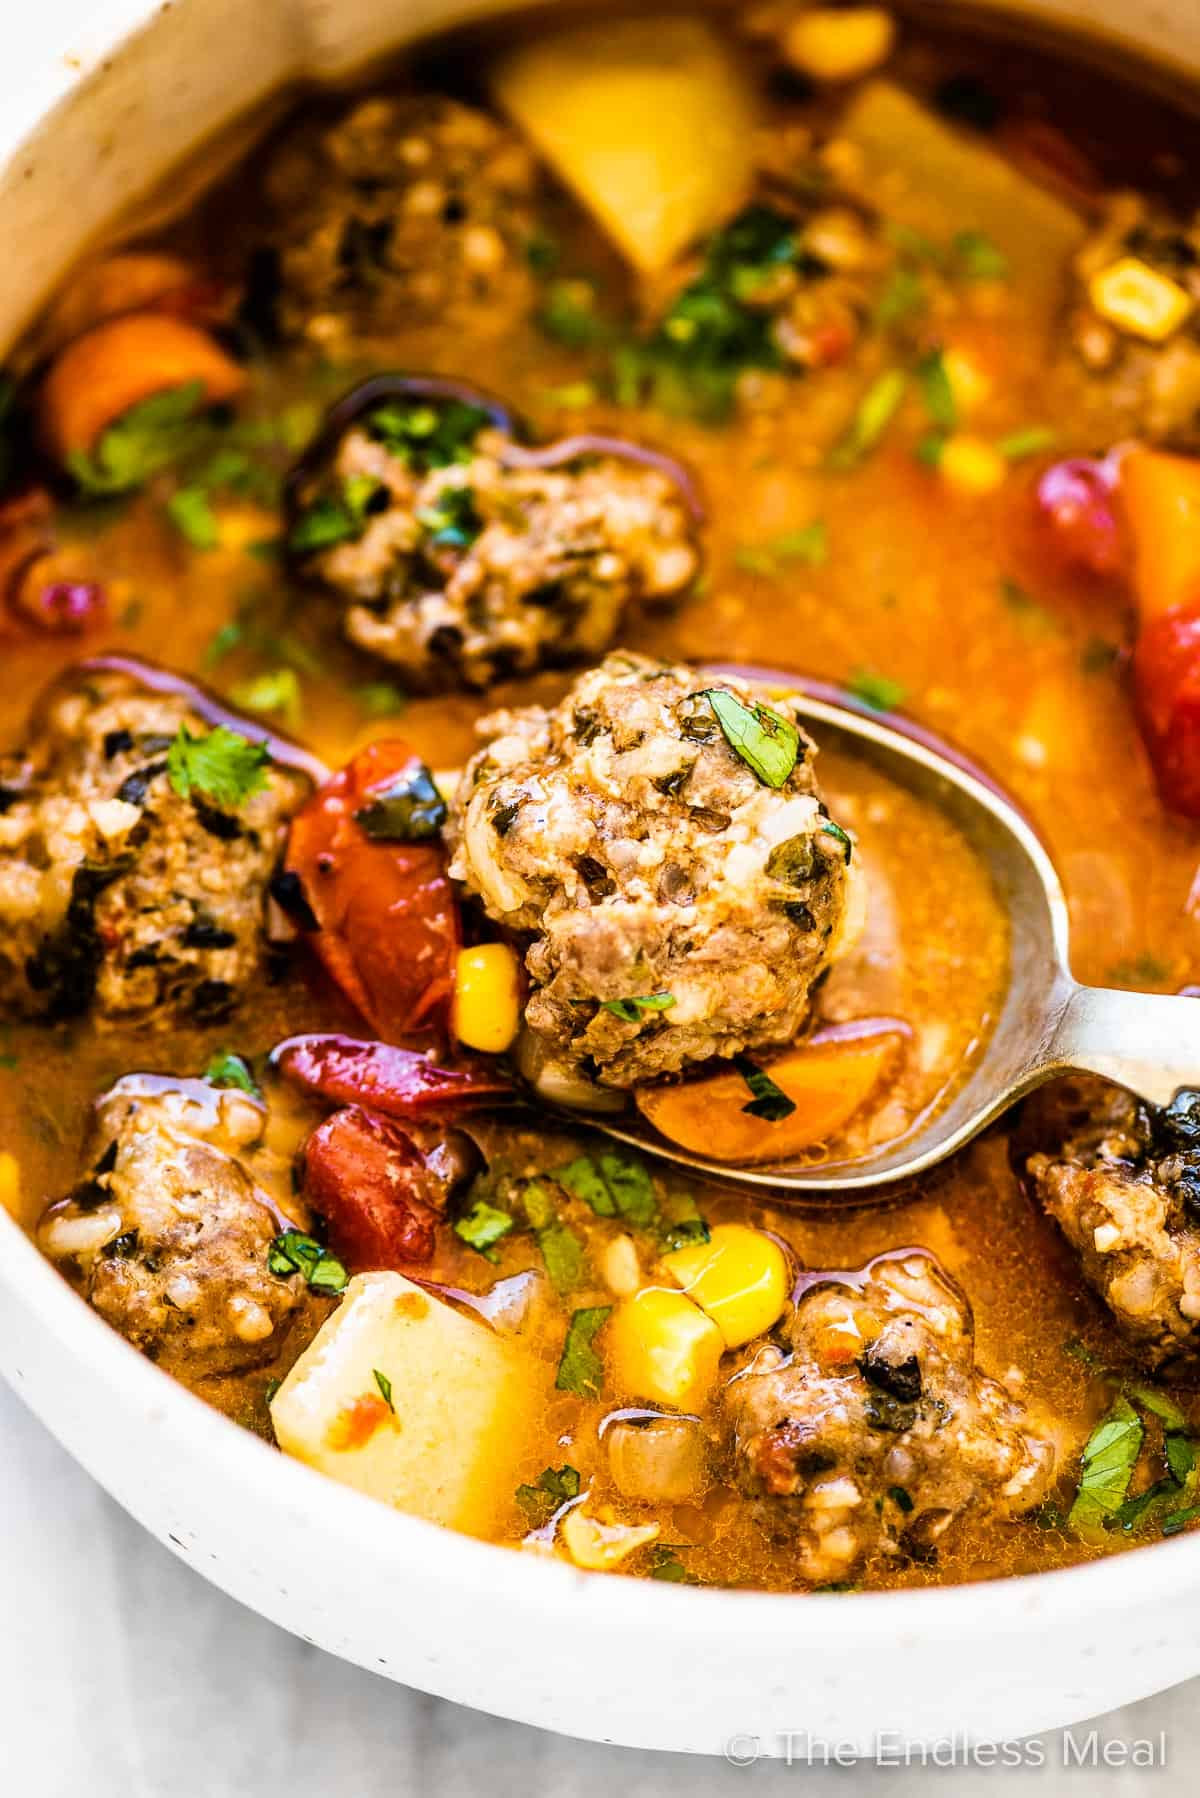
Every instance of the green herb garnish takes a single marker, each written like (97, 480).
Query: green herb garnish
(425, 436)
(148, 437)
(569, 315)
(1109, 1457)
(561, 1250)
(553, 1488)
(903, 296)
(902, 1499)
(380, 699)
(452, 522)
(221, 765)
(385, 1388)
(229, 1070)
(980, 258)
(936, 391)
(767, 743)
(876, 690)
(809, 545)
(830, 829)
(632, 1011)
(190, 512)
(875, 412)
(277, 691)
(580, 1369)
(767, 1101)
(583, 1180)
(1179, 1520)
(482, 1227)
(295, 1253)
(410, 810)
(1032, 441)
(666, 1565)
(326, 522)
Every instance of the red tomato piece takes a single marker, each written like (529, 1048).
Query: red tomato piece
(388, 919)
(1166, 681)
(369, 1181)
(398, 1082)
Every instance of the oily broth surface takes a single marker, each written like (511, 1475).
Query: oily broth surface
(950, 597)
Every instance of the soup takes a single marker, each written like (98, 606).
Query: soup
(393, 795)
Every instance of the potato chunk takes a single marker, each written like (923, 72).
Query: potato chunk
(648, 120)
(463, 1400)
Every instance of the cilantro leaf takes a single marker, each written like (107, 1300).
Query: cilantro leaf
(227, 1069)
(189, 511)
(1108, 1461)
(936, 391)
(876, 690)
(142, 440)
(767, 1100)
(632, 1011)
(809, 544)
(1032, 441)
(583, 1180)
(564, 1257)
(426, 435)
(453, 521)
(629, 1182)
(326, 522)
(278, 690)
(981, 259)
(768, 744)
(483, 1226)
(223, 766)
(554, 1487)
(293, 1252)
(380, 699)
(874, 414)
(385, 1388)
(580, 1369)
(835, 830)
(1179, 1520)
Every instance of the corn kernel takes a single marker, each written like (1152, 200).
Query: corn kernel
(971, 466)
(10, 1183)
(487, 997)
(739, 1278)
(663, 1348)
(830, 44)
(599, 1546)
(969, 383)
(1138, 300)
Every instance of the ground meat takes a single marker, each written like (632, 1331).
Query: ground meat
(645, 857)
(167, 1232)
(1145, 389)
(470, 569)
(1123, 1184)
(410, 208)
(877, 1432)
(116, 893)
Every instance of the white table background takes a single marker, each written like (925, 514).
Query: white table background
(124, 1675)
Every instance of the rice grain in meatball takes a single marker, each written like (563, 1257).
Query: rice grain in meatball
(679, 904)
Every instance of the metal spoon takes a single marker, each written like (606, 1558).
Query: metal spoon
(1048, 1024)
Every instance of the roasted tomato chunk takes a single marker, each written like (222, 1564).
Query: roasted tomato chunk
(380, 1192)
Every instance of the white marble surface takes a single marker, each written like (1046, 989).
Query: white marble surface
(124, 1675)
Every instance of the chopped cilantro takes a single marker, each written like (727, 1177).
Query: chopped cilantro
(410, 810)
(223, 641)
(929, 449)
(144, 439)
(453, 522)
(563, 1256)
(831, 829)
(223, 766)
(277, 691)
(1180, 1451)
(1140, 970)
(936, 391)
(326, 522)
(428, 435)
(903, 296)
(569, 315)
(553, 1488)
(767, 1100)
(900, 1498)
(980, 258)
(380, 699)
(482, 1227)
(1179, 1520)
(766, 742)
(228, 1069)
(666, 1565)
(583, 1180)
(629, 1182)
(1150, 1398)
(385, 1388)
(189, 511)
(1032, 441)
(1135, 1510)
(295, 1253)
(580, 1370)
(809, 545)
(632, 1011)
(874, 414)
(876, 690)
(1108, 1461)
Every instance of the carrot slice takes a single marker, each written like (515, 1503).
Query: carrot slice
(116, 365)
(1161, 496)
(827, 1080)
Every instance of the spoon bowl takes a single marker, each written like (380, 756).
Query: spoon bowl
(1048, 1024)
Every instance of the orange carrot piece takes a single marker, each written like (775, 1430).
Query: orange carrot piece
(1161, 496)
(112, 368)
(827, 1080)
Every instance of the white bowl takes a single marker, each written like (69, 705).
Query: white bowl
(97, 99)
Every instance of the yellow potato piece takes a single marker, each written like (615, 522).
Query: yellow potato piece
(647, 120)
(465, 1404)
(739, 1278)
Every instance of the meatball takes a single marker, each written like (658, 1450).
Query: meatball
(1146, 380)
(118, 893)
(876, 1431)
(411, 208)
(167, 1233)
(1123, 1185)
(679, 906)
(458, 565)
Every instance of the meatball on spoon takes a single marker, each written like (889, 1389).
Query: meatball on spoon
(1046, 1024)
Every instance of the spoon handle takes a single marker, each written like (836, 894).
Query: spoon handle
(1148, 1042)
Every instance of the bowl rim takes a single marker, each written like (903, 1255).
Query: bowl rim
(1000, 1605)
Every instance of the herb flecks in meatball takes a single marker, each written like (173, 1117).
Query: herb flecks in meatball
(1123, 1185)
(135, 849)
(167, 1232)
(410, 208)
(871, 1431)
(682, 894)
(459, 562)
